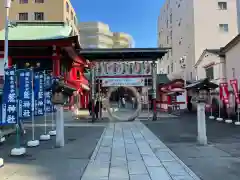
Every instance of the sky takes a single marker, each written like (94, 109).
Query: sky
(135, 17)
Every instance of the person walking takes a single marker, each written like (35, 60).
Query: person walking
(90, 107)
(96, 108)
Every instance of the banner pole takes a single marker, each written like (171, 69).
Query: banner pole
(238, 120)
(33, 142)
(18, 151)
(211, 116)
(45, 136)
(219, 95)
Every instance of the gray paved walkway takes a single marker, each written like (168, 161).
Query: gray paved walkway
(131, 151)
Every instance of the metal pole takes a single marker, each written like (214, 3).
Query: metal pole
(93, 92)
(7, 6)
(148, 99)
(33, 104)
(154, 87)
(219, 96)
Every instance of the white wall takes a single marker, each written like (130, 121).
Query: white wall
(233, 61)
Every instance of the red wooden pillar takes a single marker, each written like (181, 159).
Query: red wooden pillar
(56, 61)
(10, 63)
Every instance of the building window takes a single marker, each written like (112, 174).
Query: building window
(171, 67)
(209, 73)
(67, 6)
(179, 23)
(170, 35)
(223, 27)
(167, 40)
(222, 5)
(39, 1)
(168, 69)
(71, 15)
(170, 18)
(23, 1)
(23, 16)
(39, 16)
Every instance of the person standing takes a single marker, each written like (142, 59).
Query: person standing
(90, 107)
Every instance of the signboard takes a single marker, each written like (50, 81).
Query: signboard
(9, 104)
(48, 103)
(234, 84)
(123, 68)
(117, 82)
(224, 93)
(39, 93)
(25, 94)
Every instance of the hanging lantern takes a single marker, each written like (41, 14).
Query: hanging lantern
(27, 64)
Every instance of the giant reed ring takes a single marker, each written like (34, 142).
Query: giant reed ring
(134, 115)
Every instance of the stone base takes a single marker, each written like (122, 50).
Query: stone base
(52, 133)
(1, 162)
(228, 121)
(237, 123)
(219, 119)
(45, 137)
(33, 143)
(2, 139)
(211, 117)
(18, 151)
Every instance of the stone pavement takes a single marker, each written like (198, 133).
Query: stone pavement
(47, 162)
(128, 150)
(220, 159)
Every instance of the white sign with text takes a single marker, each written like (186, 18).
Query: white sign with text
(117, 82)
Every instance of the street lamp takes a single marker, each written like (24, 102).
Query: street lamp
(7, 6)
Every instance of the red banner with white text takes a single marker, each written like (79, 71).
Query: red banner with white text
(234, 84)
(224, 93)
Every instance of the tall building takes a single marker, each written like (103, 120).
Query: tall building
(99, 35)
(190, 27)
(40, 10)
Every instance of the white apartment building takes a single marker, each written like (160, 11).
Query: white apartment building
(190, 27)
(99, 35)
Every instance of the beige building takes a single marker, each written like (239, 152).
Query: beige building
(41, 10)
(99, 35)
(190, 27)
(221, 65)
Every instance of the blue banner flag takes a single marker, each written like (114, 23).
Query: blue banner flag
(48, 94)
(39, 93)
(9, 104)
(25, 93)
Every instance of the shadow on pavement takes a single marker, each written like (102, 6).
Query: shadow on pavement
(219, 160)
(47, 162)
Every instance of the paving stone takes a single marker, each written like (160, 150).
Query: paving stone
(134, 157)
(151, 161)
(119, 161)
(118, 172)
(182, 178)
(140, 177)
(175, 169)
(157, 173)
(137, 167)
(95, 178)
(164, 156)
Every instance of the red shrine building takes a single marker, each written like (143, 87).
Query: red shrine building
(48, 46)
